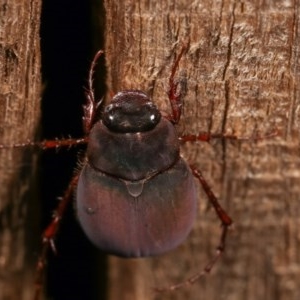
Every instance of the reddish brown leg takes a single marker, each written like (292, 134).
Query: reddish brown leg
(223, 216)
(49, 144)
(226, 221)
(206, 137)
(91, 105)
(50, 233)
(174, 95)
(89, 113)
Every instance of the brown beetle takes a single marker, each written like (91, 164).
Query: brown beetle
(135, 195)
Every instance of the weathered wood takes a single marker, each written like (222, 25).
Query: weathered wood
(241, 73)
(20, 90)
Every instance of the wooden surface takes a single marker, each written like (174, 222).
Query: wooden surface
(241, 73)
(20, 90)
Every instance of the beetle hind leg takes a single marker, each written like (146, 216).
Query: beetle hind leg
(49, 235)
(226, 222)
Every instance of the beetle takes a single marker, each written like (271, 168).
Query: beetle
(135, 195)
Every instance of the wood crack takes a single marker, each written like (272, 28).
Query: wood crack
(229, 43)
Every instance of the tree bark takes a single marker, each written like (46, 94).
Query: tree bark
(20, 90)
(241, 72)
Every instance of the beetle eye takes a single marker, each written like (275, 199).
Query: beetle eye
(131, 111)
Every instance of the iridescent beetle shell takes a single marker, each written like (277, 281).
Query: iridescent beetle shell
(136, 196)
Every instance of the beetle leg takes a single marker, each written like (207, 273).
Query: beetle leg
(206, 137)
(48, 144)
(223, 216)
(191, 280)
(89, 109)
(173, 94)
(226, 222)
(50, 233)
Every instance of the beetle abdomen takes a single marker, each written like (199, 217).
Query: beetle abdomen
(154, 222)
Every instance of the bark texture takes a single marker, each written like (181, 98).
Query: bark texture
(241, 73)
(20, 88)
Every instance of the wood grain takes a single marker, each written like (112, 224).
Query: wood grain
(241, 74)
(20, 91)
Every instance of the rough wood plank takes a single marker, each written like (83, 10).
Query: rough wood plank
(20, 89)
(241, 72)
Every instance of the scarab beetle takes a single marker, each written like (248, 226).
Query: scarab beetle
(136, 196)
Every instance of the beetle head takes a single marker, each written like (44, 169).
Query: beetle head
(131, 111)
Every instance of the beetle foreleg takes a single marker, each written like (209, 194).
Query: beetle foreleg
(89, 109)
(173, 94)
